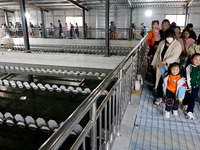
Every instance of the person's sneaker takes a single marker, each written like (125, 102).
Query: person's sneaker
(167, 114)
(190, 115)
(175, 112)
(158, 101)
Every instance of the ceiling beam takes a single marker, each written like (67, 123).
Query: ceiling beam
(189, 3)
(130, 4)
(77, 4)
(32, 6)
(1, 7)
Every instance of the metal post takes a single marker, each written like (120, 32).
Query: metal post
(43, 24)
(130, 33)
(84, 37)
(107, 51)
(6, 17)
(6, 21)
(186, 16)
(94, 127)
(24, 26)
(120, 103)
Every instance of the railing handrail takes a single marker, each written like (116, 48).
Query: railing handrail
(58, 137)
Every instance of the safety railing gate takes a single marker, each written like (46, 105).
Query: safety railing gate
(104, 117)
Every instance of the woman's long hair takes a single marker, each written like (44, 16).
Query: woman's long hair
(185, 31)
(169, 32)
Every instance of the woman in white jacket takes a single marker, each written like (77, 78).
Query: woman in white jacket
(169, 51)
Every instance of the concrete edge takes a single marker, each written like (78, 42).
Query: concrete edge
(122, 142)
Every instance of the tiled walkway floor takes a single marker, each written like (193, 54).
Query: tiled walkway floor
(152, 131)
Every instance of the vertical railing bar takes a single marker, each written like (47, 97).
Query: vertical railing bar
(105, 125)
(126, 88)
(123, 97)
(94, 127)
(117, 108)
(109, 119)
(120, 97)
(131, 70)
(137, 59)
(113, 113)
(124, 91)
(130, 81)
(131, 85)
(83, 145)
(100, 130)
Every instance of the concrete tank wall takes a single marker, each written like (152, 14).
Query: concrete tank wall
(41, 41)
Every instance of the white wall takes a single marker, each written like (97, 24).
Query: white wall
(194, 17)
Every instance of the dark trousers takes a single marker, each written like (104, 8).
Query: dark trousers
(160, 88)
(193, 97)
(133, 36)
(171, 101)
(186, 98)
(142, 33)
(60, 34)
(153, 76)
(152, 53)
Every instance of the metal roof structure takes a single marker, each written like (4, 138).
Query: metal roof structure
(94, 4)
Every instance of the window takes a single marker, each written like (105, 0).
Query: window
(75, 20)
(178, 19)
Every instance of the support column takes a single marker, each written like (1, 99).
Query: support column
(43, 24)
(6, 17)
(24, 26)
(107, 51)
(84, 37)
(130, 33)
(7, 23)
(186, 16)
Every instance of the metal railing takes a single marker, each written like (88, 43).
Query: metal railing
(105, 115)
(91, 33)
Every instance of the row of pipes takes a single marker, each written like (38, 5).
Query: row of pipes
(30, 122)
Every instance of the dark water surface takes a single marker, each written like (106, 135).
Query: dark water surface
(43, 104)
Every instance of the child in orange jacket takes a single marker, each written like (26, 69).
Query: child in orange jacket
(153, 38)
(174, 87)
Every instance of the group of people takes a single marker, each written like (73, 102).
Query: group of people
(64, 31)
(175, 63)
(11, 29)
(67, 31)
